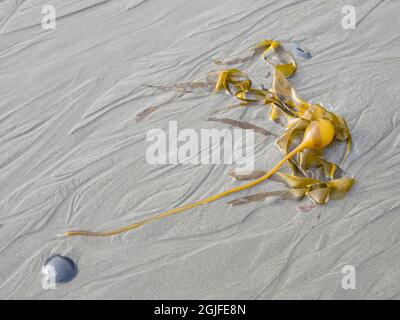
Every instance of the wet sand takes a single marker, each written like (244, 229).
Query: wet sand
(72, 153)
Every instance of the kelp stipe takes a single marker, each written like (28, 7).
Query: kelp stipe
(318, 126)
(317, 136)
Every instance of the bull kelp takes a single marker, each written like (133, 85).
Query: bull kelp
(311, 174)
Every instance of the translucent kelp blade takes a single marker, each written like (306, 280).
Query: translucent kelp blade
(252, 95)
(276, 114)
(310, 159)
(242, 125)
(264, 45)
(308, 207)
(235, 75)
(235, 87)
(234, 106)
(212, 77)
(221, 81)
(145, 113)
(187, 87)
(294, 133)
(255, 174)
(348, 149)
(248, 55)
(293, 194)
(295, 129)
(315, 111)
(344, 136)
(149, 110)
(319, 192)
(340, 187)
(294, 181)
(283, 89)
(284, 142)
(287, 69)
(259, 49)
(233, 81)
(280, 59)
(285, 104)
(204, 84)
(342, 132)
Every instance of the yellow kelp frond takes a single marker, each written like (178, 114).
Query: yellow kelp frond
(232, 81)
(294, 181)
(291, 194)
(243, 176)
(264, 45)
(319, 191)
(272, 52)
(242, 125)
(334, 189)
(276, 114)
(309, 130)
(249, 54)
(280, 59)
(284, 90)
(286, 69)
(342, 132)
(311, 160)
(340, 187)
(294, 131)
(253, 95)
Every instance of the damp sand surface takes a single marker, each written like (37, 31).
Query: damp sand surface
(72, 153)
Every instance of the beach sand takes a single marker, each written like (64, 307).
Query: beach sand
(73, 156)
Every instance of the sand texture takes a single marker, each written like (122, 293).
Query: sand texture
(73, 153)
